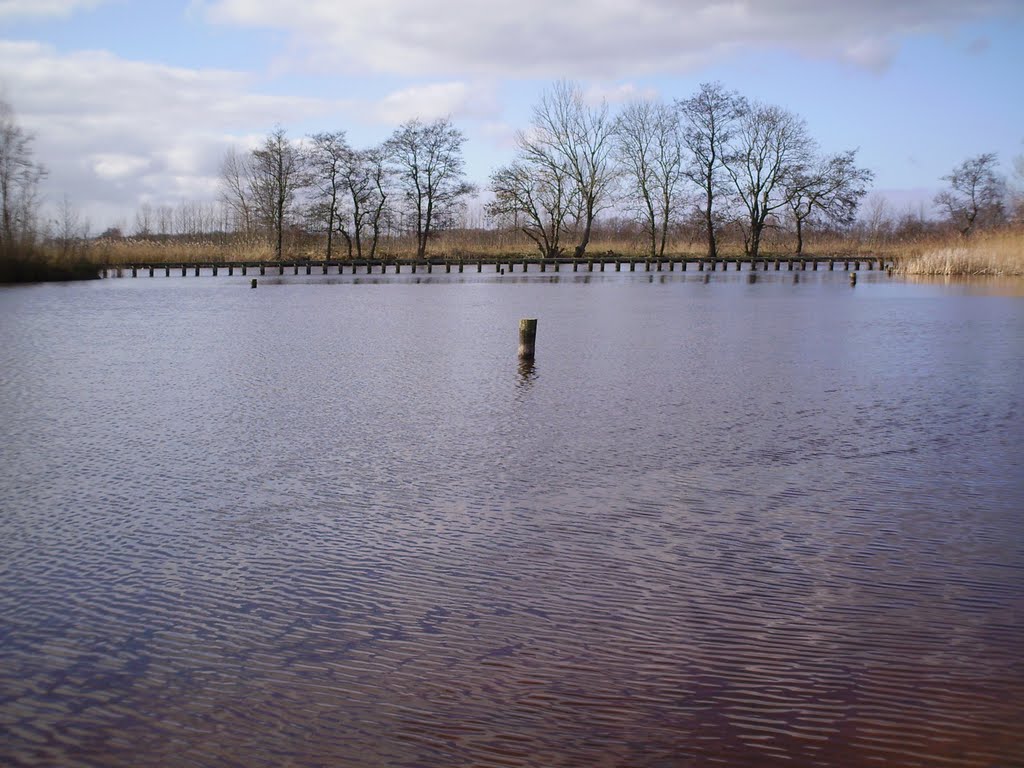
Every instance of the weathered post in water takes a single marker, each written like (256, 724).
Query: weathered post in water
(527, 338)
(253, 283)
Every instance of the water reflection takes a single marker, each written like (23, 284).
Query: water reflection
(527, 373)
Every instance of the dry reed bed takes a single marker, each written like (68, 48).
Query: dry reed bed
(999, 253)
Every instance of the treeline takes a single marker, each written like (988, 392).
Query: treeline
(716, 167)
(733, 161)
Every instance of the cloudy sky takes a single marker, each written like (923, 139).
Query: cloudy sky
(136, 101)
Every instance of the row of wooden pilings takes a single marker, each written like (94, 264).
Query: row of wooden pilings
(500, 266)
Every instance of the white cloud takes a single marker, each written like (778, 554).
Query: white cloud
(618, 93)
(117, 166)
(114, 131)
(606, 39)
(10, 9)
(432, 101)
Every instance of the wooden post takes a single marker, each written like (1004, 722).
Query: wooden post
(527, 338)
(151, 270)
(182, 270)
(632, 266)
(263, 270)
(197, 270)
(214, 270)
(231, 269)
(700, 265)
(853, 278)
(575, 265)
(325, 267)
(243, 270)
(831, 265)
(814, 265)
(460, 266)
(776, 265)
(253, 283)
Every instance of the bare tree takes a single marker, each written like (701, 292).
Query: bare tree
(278, 173)
(70, 231)
(236, 189)
(975, 195)
(567, 133)
(649, 149)
(535, 198)
(143, 220)
(20, 175)
(771, 146)
(711, 118)
(430, 172)
(326, 157)
(829, 188)
(367, 179)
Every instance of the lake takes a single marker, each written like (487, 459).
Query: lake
(334, 521)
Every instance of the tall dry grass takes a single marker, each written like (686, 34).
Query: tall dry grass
(986, 253)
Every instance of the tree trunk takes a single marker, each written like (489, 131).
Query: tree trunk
(709, 222)
(799, 235)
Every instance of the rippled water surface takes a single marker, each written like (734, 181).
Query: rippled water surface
(334, 522)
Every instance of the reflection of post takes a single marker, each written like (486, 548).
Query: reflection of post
(526, 370)
(527, 338)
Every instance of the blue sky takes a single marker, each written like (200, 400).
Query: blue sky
(136, 101)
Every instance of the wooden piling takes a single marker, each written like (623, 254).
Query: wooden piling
(183, 270)
(527, 338)
(231, 269)
(853, 278)
(244, 270)
(252, 284)
(135, 272)
(263, 270)
(197, 270)
(214, 270)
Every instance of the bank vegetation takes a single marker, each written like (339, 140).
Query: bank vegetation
(714, 175)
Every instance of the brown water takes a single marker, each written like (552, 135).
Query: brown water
(333, 522)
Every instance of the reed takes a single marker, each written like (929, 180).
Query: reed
(988, 253)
